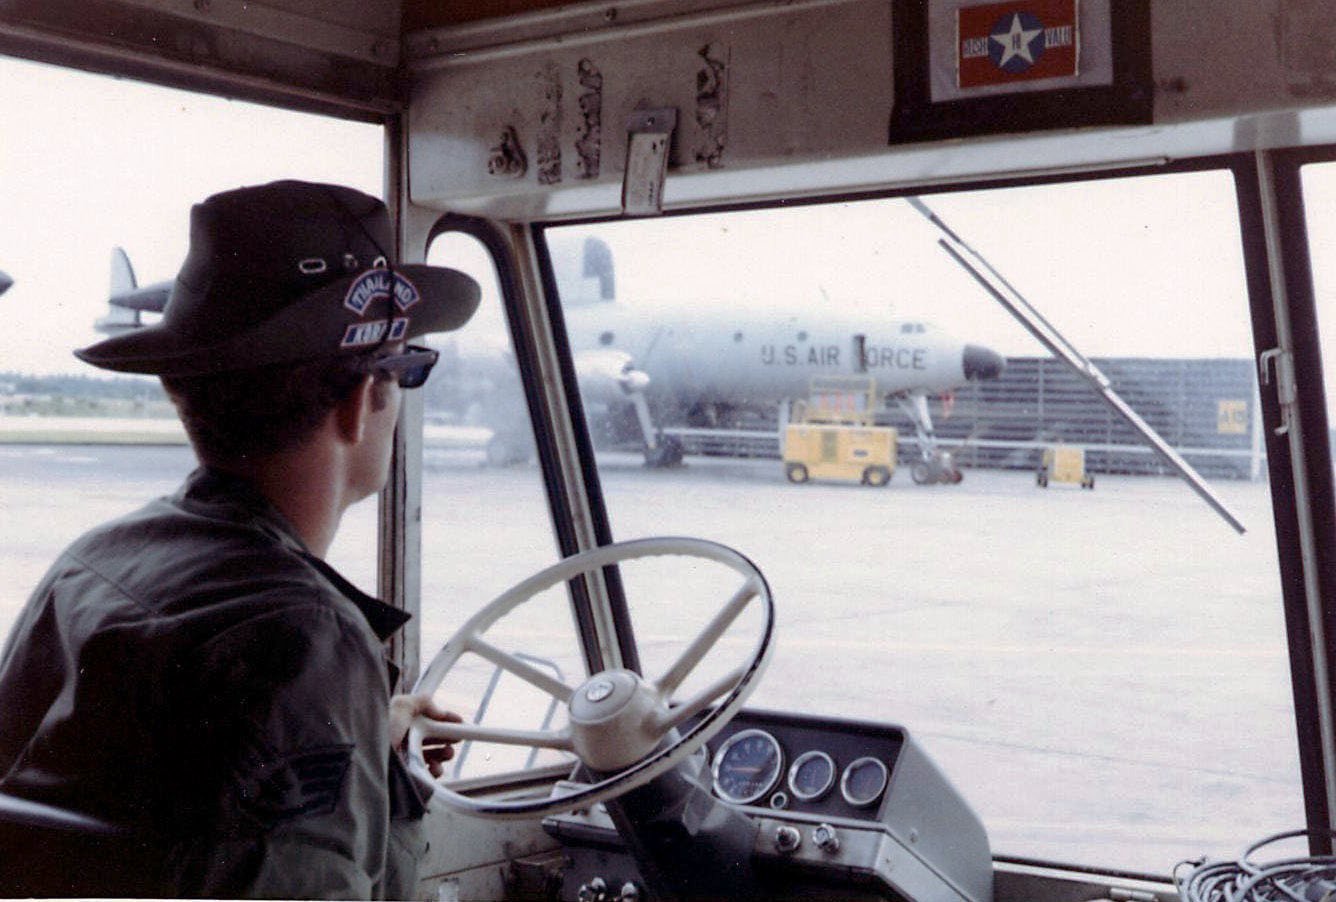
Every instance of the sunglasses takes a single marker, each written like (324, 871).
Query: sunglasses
(410, 367)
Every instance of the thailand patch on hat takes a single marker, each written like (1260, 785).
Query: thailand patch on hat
(287, 272)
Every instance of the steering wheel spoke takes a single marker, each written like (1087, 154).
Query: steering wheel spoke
(700, 646)
(527, 672)
(543, 739)
(670, 717)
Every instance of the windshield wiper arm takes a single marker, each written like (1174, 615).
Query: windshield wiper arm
(1047, 334)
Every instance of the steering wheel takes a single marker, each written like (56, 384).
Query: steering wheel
(620, 723)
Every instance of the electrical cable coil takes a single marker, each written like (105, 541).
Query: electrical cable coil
(1301, 879)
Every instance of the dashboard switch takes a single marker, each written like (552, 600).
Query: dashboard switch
(787, 839)
(826, 839)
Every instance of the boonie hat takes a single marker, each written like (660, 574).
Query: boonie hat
(288, 272)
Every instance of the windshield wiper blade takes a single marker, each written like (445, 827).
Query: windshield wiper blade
(1048, 335)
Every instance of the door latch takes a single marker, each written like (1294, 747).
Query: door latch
(1282, 362)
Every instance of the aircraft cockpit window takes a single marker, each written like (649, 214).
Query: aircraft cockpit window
(485, 524)
(962, 537)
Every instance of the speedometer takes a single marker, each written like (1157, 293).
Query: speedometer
(747, 766)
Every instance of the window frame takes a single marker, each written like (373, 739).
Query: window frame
(1287, 508)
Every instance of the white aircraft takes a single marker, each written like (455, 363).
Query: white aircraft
(642, 369)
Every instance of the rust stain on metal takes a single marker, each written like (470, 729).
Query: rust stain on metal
(549, 128)
(506, 159)
(712, 105)
(589, 143)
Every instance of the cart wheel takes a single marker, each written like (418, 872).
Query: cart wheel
(1041, 480)
(1088, 482)
(876, 476)
(796, 473)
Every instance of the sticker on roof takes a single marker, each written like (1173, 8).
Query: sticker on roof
(1025, 40)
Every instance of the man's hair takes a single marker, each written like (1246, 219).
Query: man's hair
(257, 412)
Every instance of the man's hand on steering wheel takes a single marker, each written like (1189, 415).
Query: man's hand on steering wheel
(436, 751)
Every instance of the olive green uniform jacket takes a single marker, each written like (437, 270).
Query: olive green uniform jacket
(192, 675)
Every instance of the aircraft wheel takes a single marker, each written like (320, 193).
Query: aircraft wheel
(954, 477)
(921, 473)
(876, 476)
(796, 473)
(507, 450)
(1041, 479)
(668, 453)
(1088, 482)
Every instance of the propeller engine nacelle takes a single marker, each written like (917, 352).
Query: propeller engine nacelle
(609, 376)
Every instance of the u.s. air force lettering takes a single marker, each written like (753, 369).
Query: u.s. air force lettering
(886, 357)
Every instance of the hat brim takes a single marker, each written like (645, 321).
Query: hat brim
(314, 326)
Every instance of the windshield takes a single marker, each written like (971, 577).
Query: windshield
(961, 537)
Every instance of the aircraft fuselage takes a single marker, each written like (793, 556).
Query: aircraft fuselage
(726, 356)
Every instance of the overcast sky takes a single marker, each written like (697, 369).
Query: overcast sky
(89, 162)
(1148, 266)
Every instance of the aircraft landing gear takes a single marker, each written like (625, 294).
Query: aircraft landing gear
(667, 453)
(508, 449)
(940, 468)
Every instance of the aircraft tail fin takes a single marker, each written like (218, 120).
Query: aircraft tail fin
(583, 268)
(127, 299)
(122, 273)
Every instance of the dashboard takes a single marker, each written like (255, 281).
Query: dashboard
(841, 808)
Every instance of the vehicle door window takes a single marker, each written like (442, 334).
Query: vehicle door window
(486, 525)
(101, 163)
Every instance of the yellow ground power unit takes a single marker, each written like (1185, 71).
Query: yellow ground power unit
(863, 454)
(832, 434)
(1064, 463)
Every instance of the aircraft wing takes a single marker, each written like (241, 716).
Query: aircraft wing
(1047, 334)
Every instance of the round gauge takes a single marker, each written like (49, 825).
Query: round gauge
(811, 776)
(863, 782)
(746, 766)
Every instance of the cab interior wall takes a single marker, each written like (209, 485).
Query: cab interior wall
(816, 124)
(798, 110)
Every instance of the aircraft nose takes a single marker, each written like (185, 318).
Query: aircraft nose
(981, 363)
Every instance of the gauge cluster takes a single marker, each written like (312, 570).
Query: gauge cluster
(793, 763)
(834, 801)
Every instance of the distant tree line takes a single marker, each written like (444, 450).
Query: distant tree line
(129, 388)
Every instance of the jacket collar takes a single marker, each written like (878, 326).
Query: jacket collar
(236, 498)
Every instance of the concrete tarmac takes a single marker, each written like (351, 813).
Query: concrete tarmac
(1103, 674)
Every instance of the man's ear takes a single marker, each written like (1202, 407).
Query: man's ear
(352, 413)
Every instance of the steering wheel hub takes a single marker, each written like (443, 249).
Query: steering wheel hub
(614, 720)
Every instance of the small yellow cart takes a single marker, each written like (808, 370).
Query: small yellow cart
(832, 435)
(1064, 463)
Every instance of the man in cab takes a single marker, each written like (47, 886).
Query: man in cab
(194, 677)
